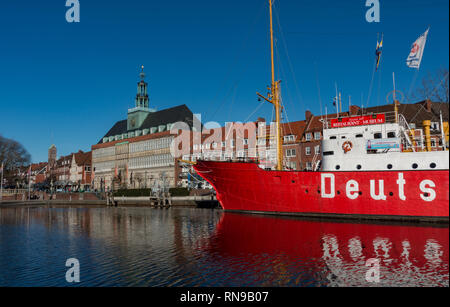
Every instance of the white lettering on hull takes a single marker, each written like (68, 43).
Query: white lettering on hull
(401, 186)
(428, 193)
(380, 195)
(332, 189)
(352, 188)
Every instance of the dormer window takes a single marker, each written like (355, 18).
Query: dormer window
(317, 136)
(289, 138)
(308, 136)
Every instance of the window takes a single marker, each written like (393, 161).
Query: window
(245, 141)
(317, 135)
(434, 126)
(378, 135)
(214, 145)
(309, 166)
(328, 153)
(233, 143)
(292, 165)
(433, 142)
(224, 144)
(359, 136)
(317, 149)
(308, 136)
(308, 151)
(289, 138)
(391, 135)
(333, 137)
(291, 153)
(195, 147)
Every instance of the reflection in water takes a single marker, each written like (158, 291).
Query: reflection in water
(193, 247)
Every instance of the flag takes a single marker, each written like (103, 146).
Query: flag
(379, 51)
(415, 56)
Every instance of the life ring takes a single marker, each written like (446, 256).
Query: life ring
(347, 146)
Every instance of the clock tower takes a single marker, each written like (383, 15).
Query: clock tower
(137, 115)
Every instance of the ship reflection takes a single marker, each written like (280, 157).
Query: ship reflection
(315, 253)
(184, 247)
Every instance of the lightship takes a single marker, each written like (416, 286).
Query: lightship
(370, 169)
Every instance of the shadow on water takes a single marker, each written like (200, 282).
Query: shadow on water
(204, 247)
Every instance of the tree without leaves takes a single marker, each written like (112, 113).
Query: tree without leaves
(434, 87)
(14, 157)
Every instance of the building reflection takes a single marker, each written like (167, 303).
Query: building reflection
(191, 247)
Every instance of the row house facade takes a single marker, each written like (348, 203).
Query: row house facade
(38, 173)
(74, 170)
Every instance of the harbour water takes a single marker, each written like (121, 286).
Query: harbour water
(204, 247)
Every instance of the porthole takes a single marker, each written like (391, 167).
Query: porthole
(391, 194)
(433, 165)
(415, 166)
(359, 167)
(360, 193)
(338, 167)
(389, 166)
(307, 191)
(338, 192)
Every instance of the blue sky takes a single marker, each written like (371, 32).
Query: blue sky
(67, 84)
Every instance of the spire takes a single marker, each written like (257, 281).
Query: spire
(142, 74)
(142, 100)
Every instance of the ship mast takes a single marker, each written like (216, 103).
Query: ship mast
(274, 97)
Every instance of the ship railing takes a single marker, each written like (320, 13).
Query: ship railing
(405, 130)
(315, 161)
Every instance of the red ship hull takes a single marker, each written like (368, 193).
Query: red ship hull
(317, 253)
(386, 195)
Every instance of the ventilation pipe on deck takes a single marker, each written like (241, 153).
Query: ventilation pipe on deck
(427, 129)
(446, 134)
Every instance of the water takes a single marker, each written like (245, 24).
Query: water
(198, 247)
